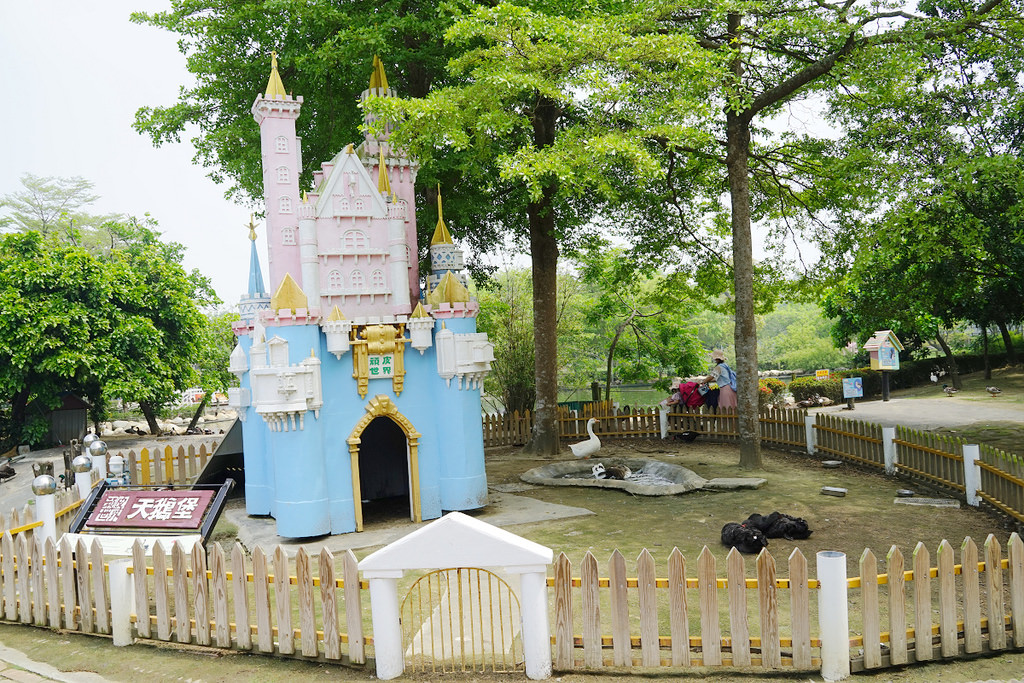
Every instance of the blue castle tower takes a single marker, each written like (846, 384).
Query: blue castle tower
(352, 389)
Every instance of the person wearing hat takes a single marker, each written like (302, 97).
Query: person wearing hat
(725, 377)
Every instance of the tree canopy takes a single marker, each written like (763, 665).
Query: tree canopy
(120, 319)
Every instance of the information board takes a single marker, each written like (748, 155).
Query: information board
(150, 509)
(853, 387)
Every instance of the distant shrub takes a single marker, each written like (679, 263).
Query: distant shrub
(803, 388)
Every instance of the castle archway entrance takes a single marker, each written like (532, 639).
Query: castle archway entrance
(383, 452)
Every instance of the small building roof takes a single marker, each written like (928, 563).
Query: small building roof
(882, 338)
(458, 540)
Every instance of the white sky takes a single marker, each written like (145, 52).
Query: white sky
(75, 73)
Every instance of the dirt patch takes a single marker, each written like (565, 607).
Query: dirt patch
(865, 518)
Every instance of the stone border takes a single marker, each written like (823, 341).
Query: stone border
(684, 480)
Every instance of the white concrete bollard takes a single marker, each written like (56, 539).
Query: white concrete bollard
(45, 488)
(972, 473)
(387, 629)
(536, 633)
(663, 421)
(809, 431)
(122, 601)
(889, 449)
(833, 615)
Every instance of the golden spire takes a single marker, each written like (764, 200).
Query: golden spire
(383, 182)
(441, 234)
(275, 88)
(419, 312)
(335, 314)
(448, 291)
(252, 227)
(377, 78)
(289, 295)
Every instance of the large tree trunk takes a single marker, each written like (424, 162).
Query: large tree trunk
(611, 355)
(149, 411)
(1011, 353)
(196, 415)
(19, 405)
(954, 371)
(544, 255)
(738, 142)
(984, 351)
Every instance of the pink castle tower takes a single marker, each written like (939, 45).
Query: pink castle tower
(275, 111)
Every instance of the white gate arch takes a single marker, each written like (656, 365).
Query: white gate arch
(458, 540)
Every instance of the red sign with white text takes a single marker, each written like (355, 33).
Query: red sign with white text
(155, 509)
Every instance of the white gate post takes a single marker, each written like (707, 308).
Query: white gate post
(833, 615)
(663, 421)
(45, 487)
(82, 467)
(972, 473)
(122, 602)
(889, 449)
(809, 431)
(536, 630)
(387, 630)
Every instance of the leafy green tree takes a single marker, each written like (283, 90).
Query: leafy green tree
(54, 207)
(161, 339)
(55, 333)
(640, 321)
(218, 341)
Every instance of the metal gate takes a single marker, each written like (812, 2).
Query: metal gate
(462, 619)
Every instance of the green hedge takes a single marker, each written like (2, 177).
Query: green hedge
(804, 388)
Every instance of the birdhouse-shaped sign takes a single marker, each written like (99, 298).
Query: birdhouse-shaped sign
(885, 349)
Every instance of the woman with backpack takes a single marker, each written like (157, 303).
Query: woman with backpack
(725, 377)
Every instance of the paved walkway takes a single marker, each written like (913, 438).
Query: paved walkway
(15, 665)
(930, 413)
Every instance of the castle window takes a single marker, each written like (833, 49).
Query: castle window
(377, 279)
(281, 144)
(285, 205)
(359, 205)
(282, 174)
(354, 240)
(334, 279)
(358, 279)
(287, 235)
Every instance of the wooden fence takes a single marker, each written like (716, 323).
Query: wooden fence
(742, 614)
(757, 618)
(203, 598)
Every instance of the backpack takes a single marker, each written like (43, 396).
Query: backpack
(732, 375)
(691, 398)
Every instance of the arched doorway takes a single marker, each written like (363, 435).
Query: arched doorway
(384, 470)
(383, 451)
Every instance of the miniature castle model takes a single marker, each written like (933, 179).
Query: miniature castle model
(337, 410)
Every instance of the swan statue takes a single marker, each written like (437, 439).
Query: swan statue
(585, 449)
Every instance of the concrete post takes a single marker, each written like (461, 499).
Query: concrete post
(972, 473)
(83, 481)
(833, 615)
(387, 631)
(663, 421)
(809, 431)
(45, 487)
(536, 630)
(122, 599)
(889, 449)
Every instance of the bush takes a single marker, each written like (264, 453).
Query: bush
(804, 388)
(770, 393)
